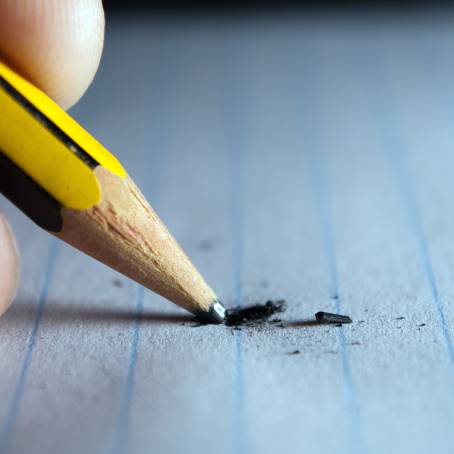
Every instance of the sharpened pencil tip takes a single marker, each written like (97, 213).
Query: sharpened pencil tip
(216, 313)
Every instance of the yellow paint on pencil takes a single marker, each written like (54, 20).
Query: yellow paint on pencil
(38, 152)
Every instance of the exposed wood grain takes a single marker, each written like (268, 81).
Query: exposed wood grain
(125, 233)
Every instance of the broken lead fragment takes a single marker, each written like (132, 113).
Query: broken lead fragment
(326, 317)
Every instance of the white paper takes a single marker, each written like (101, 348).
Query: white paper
(299, 158)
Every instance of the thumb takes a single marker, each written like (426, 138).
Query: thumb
(56, 44)
(9, 265)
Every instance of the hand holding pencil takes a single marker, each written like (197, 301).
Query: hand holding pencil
(28, 30)
(65, 180)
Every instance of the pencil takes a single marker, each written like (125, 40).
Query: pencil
(70, 185)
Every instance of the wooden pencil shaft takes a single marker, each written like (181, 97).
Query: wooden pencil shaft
(126, 234)
(69, 184)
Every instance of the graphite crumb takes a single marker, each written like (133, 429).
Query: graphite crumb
(254, 315)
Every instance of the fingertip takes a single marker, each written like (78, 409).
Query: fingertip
(56, 44)
(9, 265)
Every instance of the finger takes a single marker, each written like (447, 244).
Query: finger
(56, 44)
(9, 265)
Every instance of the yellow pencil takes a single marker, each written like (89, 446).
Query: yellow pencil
(69, 184)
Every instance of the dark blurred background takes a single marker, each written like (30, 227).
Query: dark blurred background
(175, 6)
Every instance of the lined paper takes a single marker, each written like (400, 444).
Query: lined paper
(299, 158)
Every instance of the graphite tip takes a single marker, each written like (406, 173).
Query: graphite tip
(216, 313)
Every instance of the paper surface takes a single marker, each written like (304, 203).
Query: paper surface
(306, 159)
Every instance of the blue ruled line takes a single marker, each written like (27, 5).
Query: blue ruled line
(237, 215)
(311, 118)
(120, 443)
(155, 137)
(322, 202)
(386, 119)
(233, 119)
(407, 186)
(13, 409)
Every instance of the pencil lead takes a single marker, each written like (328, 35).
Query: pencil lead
(326, 317)
(216, 313)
